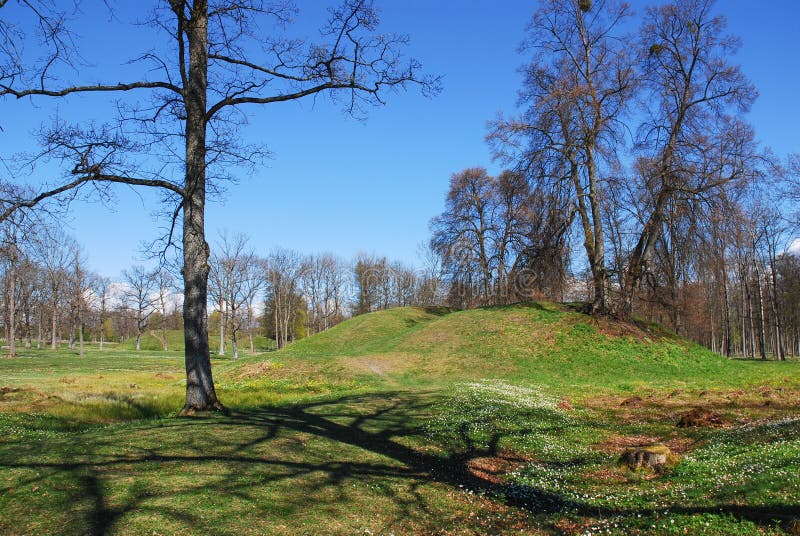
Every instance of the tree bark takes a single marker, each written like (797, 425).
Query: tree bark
(200, 392)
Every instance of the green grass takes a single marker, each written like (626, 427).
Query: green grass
(408, 421)
(151, 341)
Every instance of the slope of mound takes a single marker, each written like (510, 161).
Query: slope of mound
(542, 342)
(380, 331)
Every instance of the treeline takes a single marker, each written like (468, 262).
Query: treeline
(288, 295)
(50, 298)
(633, 178)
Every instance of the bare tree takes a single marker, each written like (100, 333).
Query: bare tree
(284, 270)
(462, 234)
(695, 143)
(54, 253)
(102, 289)
(140, 297)
(576, 89)
(166, 283)
(79, 281)
(252, 284)
(233, 274)
(198, 86)
(323, 285)
(13, 235)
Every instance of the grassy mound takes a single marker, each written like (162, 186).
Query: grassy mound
(548, 343)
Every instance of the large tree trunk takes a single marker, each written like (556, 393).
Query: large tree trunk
(200, 392)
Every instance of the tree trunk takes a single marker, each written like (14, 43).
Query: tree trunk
(80, 337)
(221, 327)
(234, 344)
(779, 351)
(762, 325)
(54, 327)
(12, 313)
(726, 305)
(200, 392)
(164, 344)
(39, 337)
(250, 328)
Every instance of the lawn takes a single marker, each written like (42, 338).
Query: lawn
(502, 420)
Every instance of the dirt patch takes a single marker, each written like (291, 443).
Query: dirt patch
(634, 401)
(701, 418)
(382, 364)
(256, 370)
(494, 468)
(162, 376)
(616, 328)
(565, 405)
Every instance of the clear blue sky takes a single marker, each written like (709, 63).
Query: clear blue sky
(340, 185)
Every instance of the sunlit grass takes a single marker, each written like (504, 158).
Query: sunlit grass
(498, 420)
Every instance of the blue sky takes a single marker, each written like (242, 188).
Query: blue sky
(341, 185)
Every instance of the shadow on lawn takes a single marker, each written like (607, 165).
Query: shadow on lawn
(365, 437)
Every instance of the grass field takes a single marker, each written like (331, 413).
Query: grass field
(502, 420)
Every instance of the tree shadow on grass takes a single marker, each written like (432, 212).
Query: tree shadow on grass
(315, 452)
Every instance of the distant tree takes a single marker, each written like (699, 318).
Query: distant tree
(323, 285)
(462, 233)
(284, 271)
(78, 284)
(140, 296)
(235, 283)
(166, 283)
(368, 273)
(102, 289)
(14, 235)
(53, 251)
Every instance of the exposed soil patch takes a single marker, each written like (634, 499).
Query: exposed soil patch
(616, 328)
(255, 370)
(494, 468)
(162, 376)
(701, 418)
(634, 401)
(565, 405)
